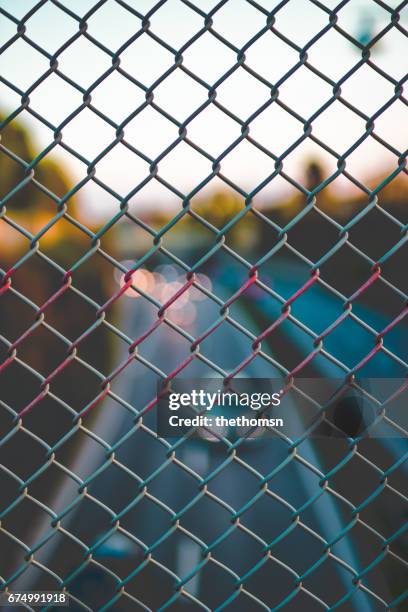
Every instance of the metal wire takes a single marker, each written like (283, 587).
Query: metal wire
(252, 279)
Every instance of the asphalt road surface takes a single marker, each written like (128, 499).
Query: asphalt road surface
(235, 547)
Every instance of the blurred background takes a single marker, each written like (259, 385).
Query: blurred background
(131, 137)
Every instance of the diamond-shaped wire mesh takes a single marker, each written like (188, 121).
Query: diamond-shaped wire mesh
(173, 141)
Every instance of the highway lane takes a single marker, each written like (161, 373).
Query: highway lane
(142, 453)
(235, 485)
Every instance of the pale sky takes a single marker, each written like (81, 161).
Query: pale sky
(180, 96)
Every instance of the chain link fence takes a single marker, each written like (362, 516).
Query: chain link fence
(230, 281)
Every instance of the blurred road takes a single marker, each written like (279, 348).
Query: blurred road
(150, 515)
